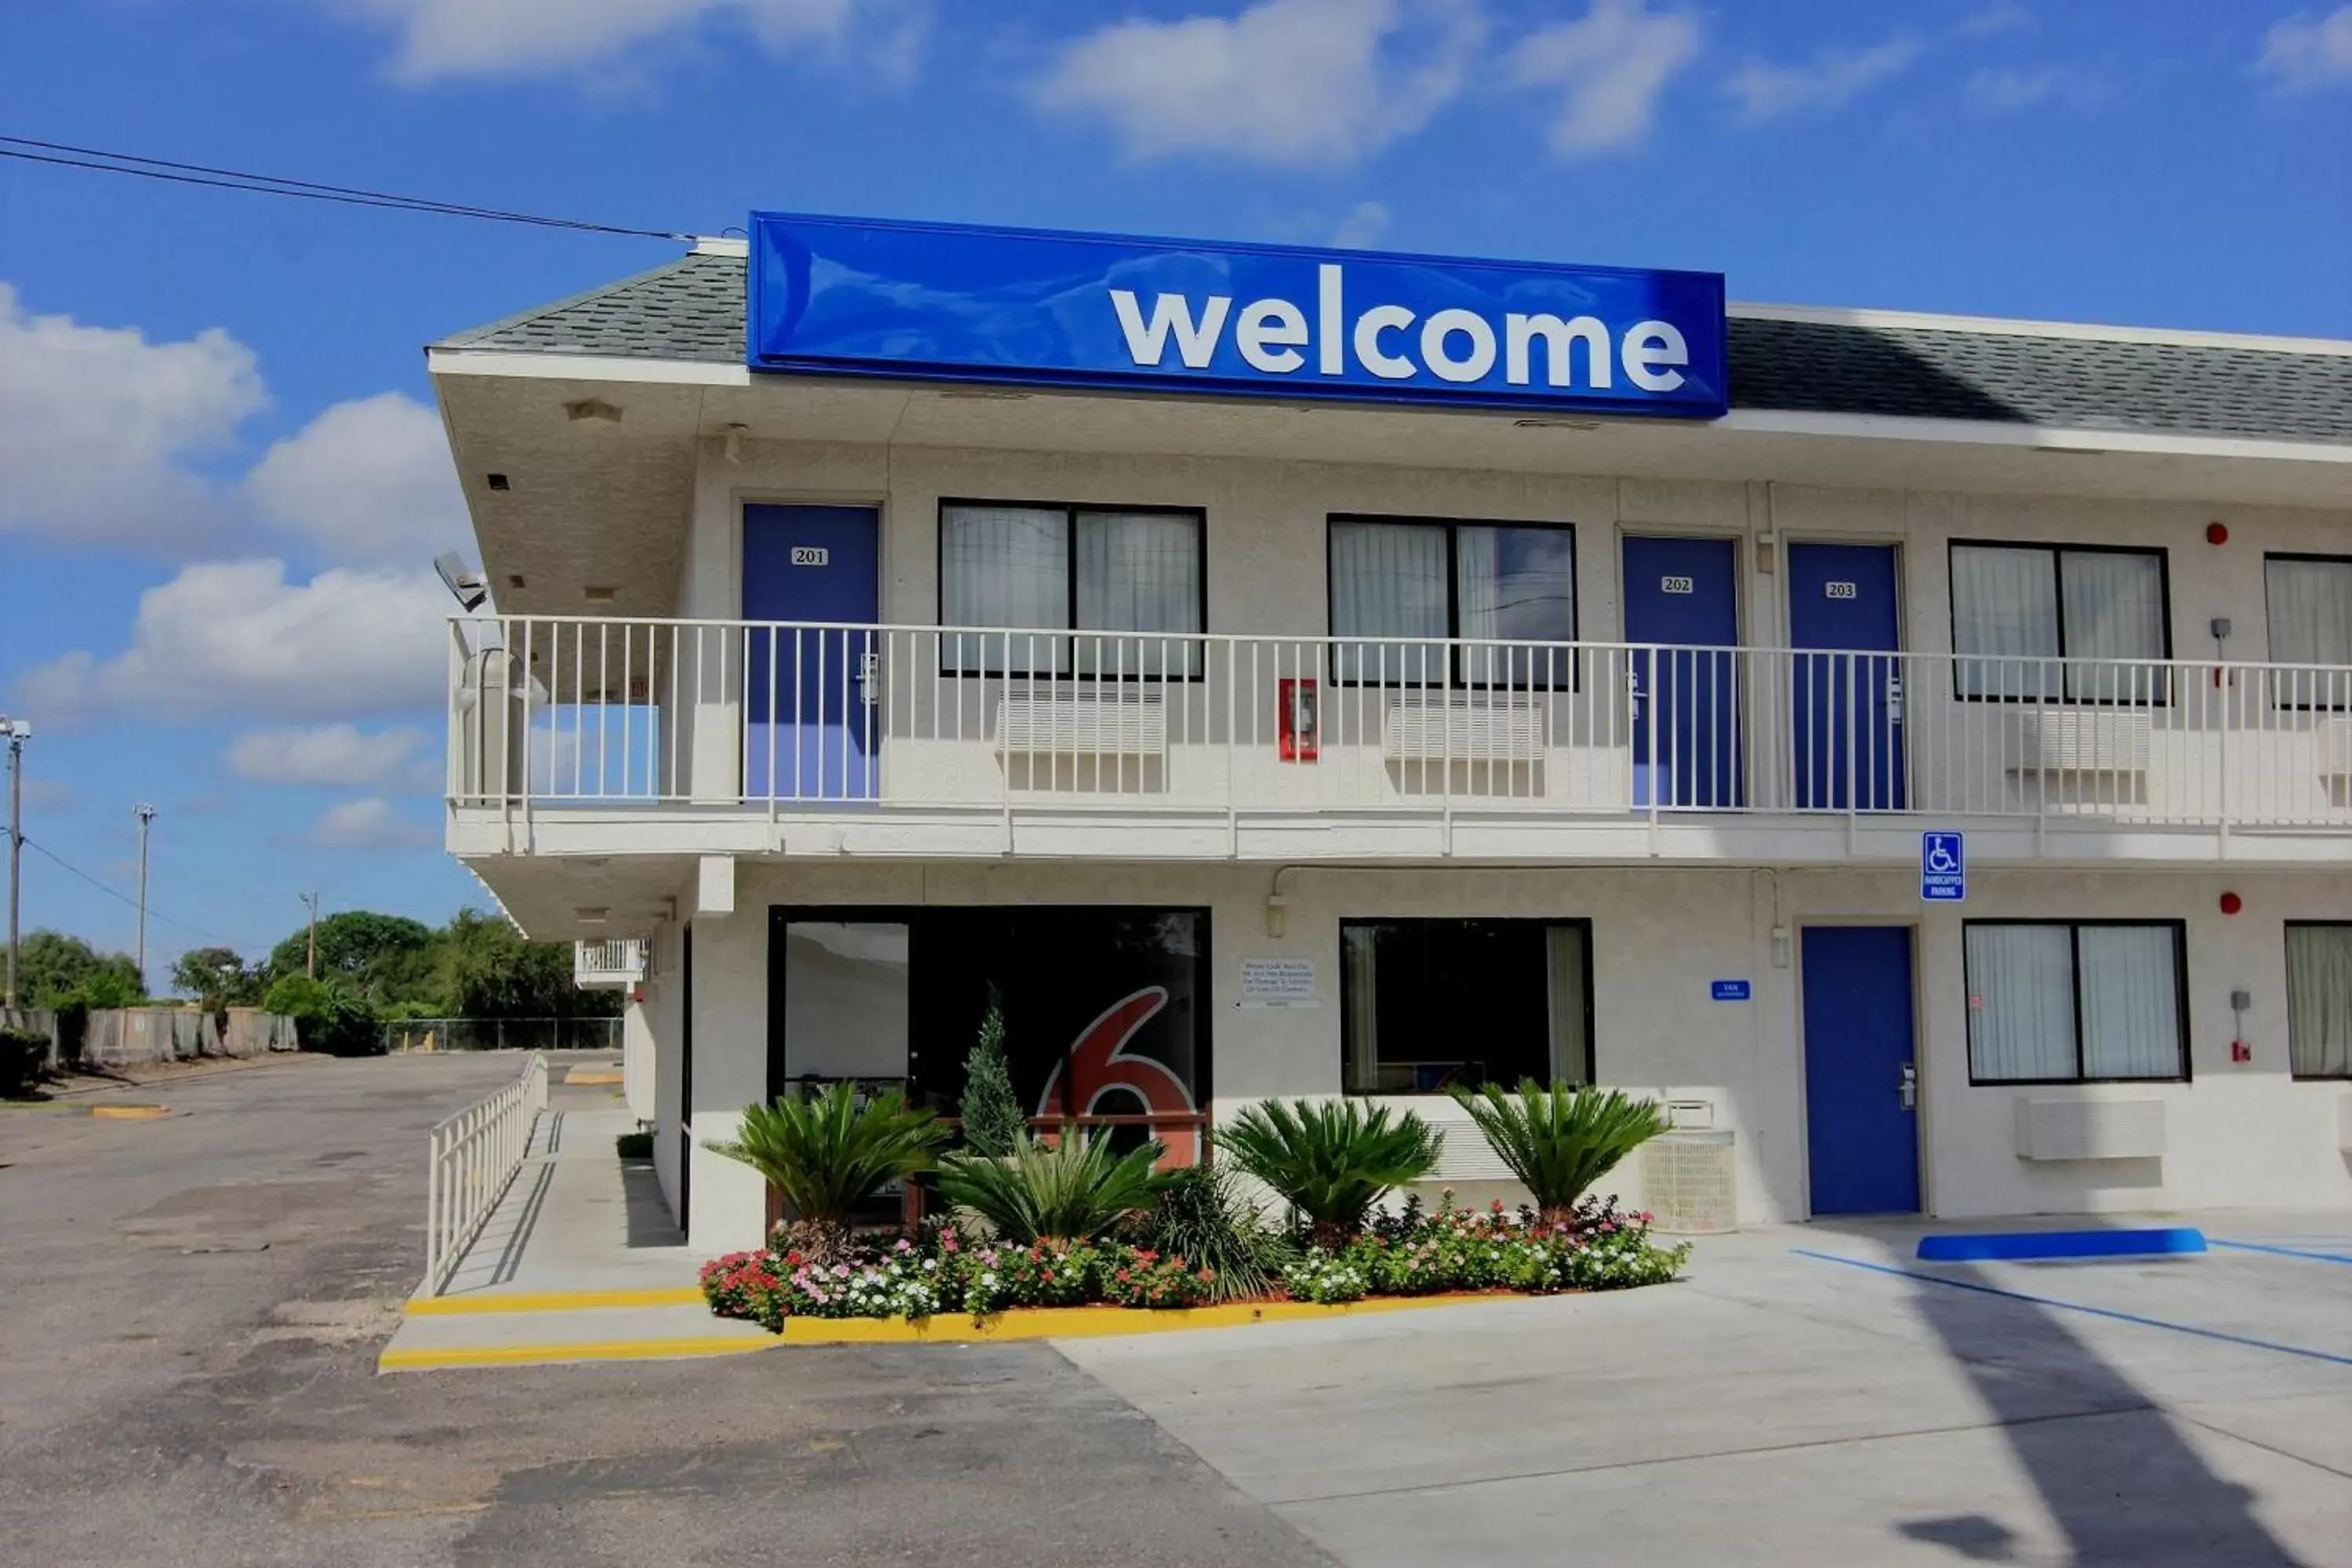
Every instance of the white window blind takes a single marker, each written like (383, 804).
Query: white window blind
(2018, 609)
(2319, 1000)
(1005, 566)
(1138, 572)
(1513, 588)
(1388, 580)
(1515, 585)
(2114, 605)
(2060, 1002)
(2310, 610)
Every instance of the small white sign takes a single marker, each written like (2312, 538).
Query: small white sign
(1278, 983)
(810, 555)
(1675, 585)
(1839, 590)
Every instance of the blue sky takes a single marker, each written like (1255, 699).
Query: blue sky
(221, 479)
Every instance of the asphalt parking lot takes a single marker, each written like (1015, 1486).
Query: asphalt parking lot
(193, 1307)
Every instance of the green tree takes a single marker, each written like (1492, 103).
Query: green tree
(1331, 1160)
(992, 1123)
(827, 1155)
(328, 1015)
(217, 978)
(382, 957)
(54, 970)
(490, 969)
(1559, 1140)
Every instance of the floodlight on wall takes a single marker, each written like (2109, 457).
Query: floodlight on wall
(467, 586)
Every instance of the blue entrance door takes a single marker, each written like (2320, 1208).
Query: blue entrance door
(1846, 706)
(811, 687)
(1861, 1091)
(1685, 711)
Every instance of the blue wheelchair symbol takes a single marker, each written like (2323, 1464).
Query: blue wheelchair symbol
(1943, 867)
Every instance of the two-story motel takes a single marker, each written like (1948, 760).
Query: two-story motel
(1290, 672)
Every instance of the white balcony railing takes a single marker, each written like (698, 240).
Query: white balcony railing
(553, 713)
(614, 960)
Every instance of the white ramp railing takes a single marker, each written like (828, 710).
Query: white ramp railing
(475, 1155)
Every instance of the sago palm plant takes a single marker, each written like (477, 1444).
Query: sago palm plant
(1559, 1140)
(827, 1155)
(1073, 1189)
(1331, 1160)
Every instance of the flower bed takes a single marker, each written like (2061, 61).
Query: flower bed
(1409, 1252)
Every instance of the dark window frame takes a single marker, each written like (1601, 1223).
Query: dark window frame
(2293, 1076)
(2074, 928)
(1584, 923)
(1452, 525)
(2270, 654)
(1073, 511)
(2057, 550)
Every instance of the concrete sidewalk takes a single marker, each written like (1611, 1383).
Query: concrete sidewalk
(580, 1261)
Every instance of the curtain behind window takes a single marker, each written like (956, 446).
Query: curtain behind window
(2131, 1002)
(1564, 958)
(2021, 1002)
(1360, 956)
(1004, 566)
(2115, 609)
(2319, 1001)
(1388, 580)
(1138, 572)
(2005, 603)
(1516, 585)
(2311, 623)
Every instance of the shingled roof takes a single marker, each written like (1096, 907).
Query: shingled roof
(692, 309)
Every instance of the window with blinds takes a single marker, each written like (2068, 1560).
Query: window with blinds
(2076, 1001)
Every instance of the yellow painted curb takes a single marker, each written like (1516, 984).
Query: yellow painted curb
(550, 1301)
(583, 1075)
(128, 1112)
(1079, 1322)
(530, 1355)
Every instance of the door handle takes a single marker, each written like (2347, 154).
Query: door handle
(869, 670)
(1907, 1091)
(1633, 689)
(1894, 697)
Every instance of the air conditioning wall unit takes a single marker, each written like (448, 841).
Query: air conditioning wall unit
(1690, 1183)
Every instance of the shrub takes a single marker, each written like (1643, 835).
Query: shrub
(992, 1123)
(1331, 1160)
(745, 1285)
(327, 1016)
(1139, 1276)
(1321, 1277)
(633, 1145)
(1075, 1189)
(1201, 1214)
(1041, 1274)
(901, 1281)
(1559, 1140)
(24, 1061)
(827, 1155)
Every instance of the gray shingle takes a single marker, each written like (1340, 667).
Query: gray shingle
(692, 308)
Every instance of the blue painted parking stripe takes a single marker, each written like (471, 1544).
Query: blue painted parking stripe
(2284, 1251)
(2078, 1307)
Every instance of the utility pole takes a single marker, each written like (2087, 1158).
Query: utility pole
(146, 813)
(18, 730)
(311, 958)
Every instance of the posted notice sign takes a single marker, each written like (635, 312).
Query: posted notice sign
(1943, 867)
(1279, 982)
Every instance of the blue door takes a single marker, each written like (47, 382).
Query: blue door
(1686, 710)
(1846, 706)
(1862, 1119)
(812, 689)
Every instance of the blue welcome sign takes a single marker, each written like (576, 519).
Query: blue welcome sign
(939, 303)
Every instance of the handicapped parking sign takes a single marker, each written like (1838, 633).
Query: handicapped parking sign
(1943, 867)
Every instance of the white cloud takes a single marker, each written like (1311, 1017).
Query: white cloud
(2011, 90)
(98, 425)
(237, 637)
(2304, 55)
(368, 822)
(1362, 228)
(370, 480)
(1299, 83)
(1835, 79)
(1609, 66)
(443, 39)
(335, 755)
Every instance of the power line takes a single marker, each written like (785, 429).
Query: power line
(66, 155)
(153, 914)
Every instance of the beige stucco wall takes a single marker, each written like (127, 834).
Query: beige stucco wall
(2238, 1133)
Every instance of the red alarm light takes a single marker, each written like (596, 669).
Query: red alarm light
(2232, 903)
(2217, 533)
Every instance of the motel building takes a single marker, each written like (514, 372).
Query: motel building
(1917, 749)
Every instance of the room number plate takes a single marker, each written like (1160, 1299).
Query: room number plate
(1675, 585)
(810, 555)
(1839, 590)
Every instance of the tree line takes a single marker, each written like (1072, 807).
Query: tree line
(369, 968)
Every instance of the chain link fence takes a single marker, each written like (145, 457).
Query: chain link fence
(502, 1034)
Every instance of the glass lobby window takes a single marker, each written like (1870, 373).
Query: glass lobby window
(2074, 1002)
(2319, 1000)
(2014, 603)
(1428, 1004)
(1039, 570)
(2309, 600)
(1425, 578)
